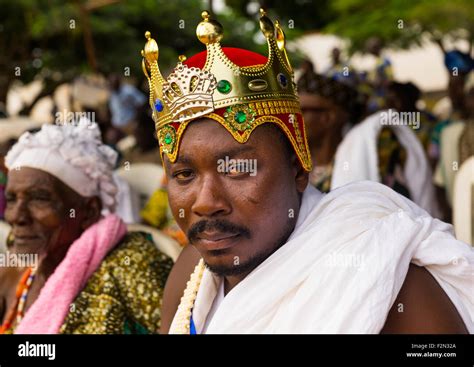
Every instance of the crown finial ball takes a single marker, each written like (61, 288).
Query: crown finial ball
(209, 31)
(205, 15)
(147, 35)
(262, 12)
(182, 58)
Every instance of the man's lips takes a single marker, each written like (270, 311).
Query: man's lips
(217, 240)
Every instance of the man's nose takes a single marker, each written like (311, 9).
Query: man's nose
(211, 199)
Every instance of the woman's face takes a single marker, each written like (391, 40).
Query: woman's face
(46, 215)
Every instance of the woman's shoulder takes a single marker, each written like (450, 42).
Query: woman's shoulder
(137, 259)
(137, 247)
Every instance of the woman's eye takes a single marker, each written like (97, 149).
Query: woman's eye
(40, 198)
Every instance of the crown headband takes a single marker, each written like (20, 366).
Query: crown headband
(240, 98)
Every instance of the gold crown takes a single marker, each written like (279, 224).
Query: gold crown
(190, 92)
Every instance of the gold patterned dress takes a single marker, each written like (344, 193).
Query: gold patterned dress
(124, 295)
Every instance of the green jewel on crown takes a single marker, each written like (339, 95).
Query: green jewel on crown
(167, 138)
(224, 86)
(240, 117)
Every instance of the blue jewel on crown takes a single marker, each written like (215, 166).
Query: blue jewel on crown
(158, 105)
(282, 80)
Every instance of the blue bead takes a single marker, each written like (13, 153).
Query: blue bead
(158, 105)
(282, 80)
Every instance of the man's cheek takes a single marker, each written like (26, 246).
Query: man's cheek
(181, 213)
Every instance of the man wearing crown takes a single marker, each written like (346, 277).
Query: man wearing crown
(269, 253)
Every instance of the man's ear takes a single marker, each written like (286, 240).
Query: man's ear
(92, 212)
(300, 174)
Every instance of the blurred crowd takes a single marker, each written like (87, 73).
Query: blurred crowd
(366, 125)
(360, 125)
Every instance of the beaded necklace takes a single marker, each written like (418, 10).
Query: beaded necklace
(182, 321)
(17, 312)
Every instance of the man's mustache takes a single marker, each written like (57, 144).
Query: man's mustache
(217, 225)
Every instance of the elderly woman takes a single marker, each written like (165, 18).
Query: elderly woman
(92, 276)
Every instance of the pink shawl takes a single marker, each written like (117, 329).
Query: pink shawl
(83, 258)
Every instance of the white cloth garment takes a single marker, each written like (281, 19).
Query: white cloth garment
(448, 164)
(357, 159)
(342, 268)
(128, 201)
(215, 305)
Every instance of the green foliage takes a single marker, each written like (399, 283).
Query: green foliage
(57, 29)
(52, 31)
(401, 23)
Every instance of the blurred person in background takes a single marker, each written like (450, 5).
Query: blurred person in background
(452, 108)
(369, 150)
(328, 108)
(403, 97)
(455, 139)
(145, 148)
(337, 66)
(466, 141)
(125, 103)
(380, 76)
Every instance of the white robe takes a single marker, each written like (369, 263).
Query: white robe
(357, 159)
(342, 268)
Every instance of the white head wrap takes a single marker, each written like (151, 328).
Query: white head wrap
(74, 154)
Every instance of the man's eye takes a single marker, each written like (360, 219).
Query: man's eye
(234, 171)
(10, 198)
(183, 175)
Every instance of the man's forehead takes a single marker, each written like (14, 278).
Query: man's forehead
(217, 152)
(209, 138)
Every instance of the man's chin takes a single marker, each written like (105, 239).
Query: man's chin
(232, 265)
(225, 270)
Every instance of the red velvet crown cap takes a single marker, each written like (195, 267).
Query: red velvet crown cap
(238, 56)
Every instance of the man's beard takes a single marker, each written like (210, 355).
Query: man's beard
(254, 261)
